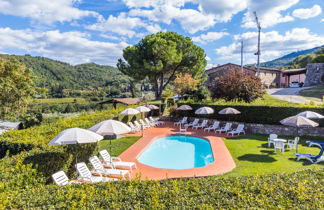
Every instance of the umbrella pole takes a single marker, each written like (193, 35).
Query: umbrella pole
(110, 146)
(297, 142)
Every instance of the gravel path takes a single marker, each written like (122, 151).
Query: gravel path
(290, 95)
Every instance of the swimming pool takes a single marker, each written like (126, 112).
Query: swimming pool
(177, 152)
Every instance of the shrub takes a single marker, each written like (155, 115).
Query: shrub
(251, 114)
(237, 85)
(31, 118)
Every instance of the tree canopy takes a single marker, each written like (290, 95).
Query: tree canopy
(161, 56)
(16, 86)
(185, 83)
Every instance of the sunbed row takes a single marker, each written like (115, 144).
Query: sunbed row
(144, 124)
(227, 128)
(108, 169)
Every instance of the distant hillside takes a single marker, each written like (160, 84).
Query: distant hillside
(50, 73)
(288, 59)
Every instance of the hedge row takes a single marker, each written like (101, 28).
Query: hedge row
(251, 114)
(300, 190)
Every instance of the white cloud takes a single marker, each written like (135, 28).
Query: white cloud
(45, 11)
(307, 12)
(73, 47)
(269, 12)
(222, 10)
(273, 44)
(322, 20)
(209, 37)
(124, 25)
(190, 20)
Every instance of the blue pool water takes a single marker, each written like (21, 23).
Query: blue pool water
(177, 152)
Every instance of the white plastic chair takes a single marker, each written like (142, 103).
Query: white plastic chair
(279, 145)
(201, 125)
(213, 127)
(238, 130)
(86, 175)
(116, 164)
(271, 138)
(226, 128)
(194, 123)
(292, 143)
(100, 169)
(181, 122)
(60, 178)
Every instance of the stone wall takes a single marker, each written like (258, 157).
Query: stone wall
(314, 74)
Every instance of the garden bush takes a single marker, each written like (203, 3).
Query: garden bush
(251, 114)
(300, 190)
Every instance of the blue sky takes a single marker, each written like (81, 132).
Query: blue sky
(79, 31)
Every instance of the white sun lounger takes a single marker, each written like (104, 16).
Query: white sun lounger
(86, 175)
(60, 178)
(194, 123)
(181, 122)
(145, 125)
(213, 127)
(157, 122)
(226, 128)
(201, 125)
(100, 169)
(238, 130)
(138, 125)
(133, 127)
(148, 122)
(116, 164)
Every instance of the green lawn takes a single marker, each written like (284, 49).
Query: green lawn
(253, 157)
(316, 93)
(117, 146)
(251, 154)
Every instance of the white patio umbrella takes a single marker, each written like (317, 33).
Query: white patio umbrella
(310, 115)
(75, 136)
(143, 109)
(110, 127)
(130, 111)
(229, 110)
(184, 108)
(204, 110)
(152, 107)
(298, 121)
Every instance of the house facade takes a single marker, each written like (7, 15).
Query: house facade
(270, 77)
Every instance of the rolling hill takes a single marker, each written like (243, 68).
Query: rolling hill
(49, 73)
(289, 58)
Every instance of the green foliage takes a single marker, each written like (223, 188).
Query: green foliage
(31, 118)
(16, 87)
(236, 85)
(62, 79)
(287, 191)
(159, 57)
(252, 114)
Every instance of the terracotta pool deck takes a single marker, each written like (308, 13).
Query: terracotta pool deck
(223, 161)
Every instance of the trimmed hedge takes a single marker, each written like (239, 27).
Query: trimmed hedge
(301, 190)
(251, 114)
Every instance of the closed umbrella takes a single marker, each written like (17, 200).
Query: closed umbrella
(310, 115)
(184, 108)
(204, 110)
(298, 121)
